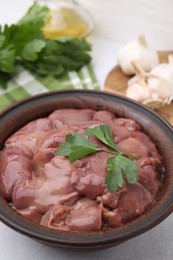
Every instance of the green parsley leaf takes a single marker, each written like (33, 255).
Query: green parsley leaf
(79, 152)
(103, 133)
(31, 49)
(2, 39)
(34, 14)
(66, 149)
(20, 35)
(119, 167)
(114, 177)
(76, 147)
(7, 57)
(80, 140)
(129, 169)
(65, 39)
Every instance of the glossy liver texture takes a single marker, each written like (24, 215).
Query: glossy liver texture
(51, 191)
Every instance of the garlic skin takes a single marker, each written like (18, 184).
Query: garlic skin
(138, 92)
(159, 87)
(137, 50)
(165, 70)
(149, 89)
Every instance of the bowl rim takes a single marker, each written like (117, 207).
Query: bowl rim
(95, 239)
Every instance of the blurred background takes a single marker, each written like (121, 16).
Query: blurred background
(124, 20)
(118, 20)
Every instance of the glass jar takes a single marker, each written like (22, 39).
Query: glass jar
(66, 18)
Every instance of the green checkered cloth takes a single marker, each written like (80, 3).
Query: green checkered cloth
(25, 84)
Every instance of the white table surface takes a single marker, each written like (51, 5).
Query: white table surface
(156, 244)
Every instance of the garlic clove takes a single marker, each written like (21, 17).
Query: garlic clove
(147, 57)
(165, 70)
(147, 53)
(132, 81)
(138, 92)
(159, 87)
(139, 71)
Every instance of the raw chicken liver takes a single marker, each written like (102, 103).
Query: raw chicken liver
(51, 191)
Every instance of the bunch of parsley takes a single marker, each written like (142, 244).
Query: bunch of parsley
(24, 44)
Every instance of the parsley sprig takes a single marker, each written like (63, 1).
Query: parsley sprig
(119, 167)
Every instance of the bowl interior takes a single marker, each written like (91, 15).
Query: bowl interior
(158, 129)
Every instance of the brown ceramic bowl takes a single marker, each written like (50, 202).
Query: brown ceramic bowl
(156, 127)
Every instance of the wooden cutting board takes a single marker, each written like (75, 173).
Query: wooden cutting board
(116, 82)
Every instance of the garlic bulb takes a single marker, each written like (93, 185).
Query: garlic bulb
(137, 50)
(165, 70)
(149, 89)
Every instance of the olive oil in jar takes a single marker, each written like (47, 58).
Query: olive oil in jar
(66, 18)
